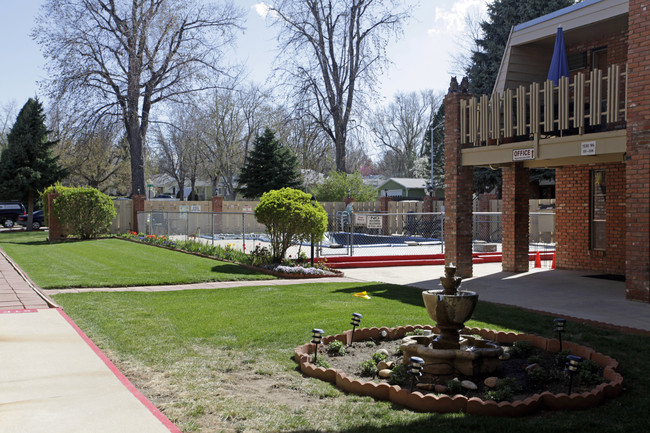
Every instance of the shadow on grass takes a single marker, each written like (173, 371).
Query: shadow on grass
(394, 292)
(232, 268)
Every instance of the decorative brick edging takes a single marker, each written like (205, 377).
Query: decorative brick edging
(460, 403)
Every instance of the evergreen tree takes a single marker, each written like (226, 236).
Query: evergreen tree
(485, 62)
(27, 165)
(502, 15)
(269, 166)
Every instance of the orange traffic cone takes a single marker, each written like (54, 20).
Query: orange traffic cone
(553, 263)
(538, 261)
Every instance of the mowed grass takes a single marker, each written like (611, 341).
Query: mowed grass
(112, 263)
(221, 360)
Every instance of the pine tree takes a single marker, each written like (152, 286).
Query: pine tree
(27, 165)
(269, 166)
(502, 15)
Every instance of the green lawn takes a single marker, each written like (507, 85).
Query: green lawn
(112, 263)
(216, 360)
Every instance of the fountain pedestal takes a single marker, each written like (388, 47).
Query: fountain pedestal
(449, 352)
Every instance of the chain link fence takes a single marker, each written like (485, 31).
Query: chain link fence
(349, 233)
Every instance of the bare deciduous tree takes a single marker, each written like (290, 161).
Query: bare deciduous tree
(399, 128)
(122, 57)
(331, 50)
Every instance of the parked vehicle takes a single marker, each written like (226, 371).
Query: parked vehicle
(37, 223)
(9, 212)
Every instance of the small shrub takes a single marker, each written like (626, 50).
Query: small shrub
(378, 357)
(589, 373)
(336, 348)
(260, 256)
(370, 343)
(368, 368)
(520, 349)
(399, 376)
(500, 394)
(84, 211)
(534, 359)
(560, 358)
(320, 362)
(454, 387)
(509, 382)
(538, 376)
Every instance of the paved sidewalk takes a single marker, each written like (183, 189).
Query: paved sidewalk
(570, 294)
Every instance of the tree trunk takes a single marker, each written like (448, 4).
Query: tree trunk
(30, 210)
(136, 150)
(339, 144)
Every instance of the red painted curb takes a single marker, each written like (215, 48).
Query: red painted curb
(126, 382)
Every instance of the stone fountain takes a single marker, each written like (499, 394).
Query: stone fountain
(450, 353)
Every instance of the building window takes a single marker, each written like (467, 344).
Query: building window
(598, 208)
(599, 59)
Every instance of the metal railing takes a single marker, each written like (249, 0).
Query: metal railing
(348, 234)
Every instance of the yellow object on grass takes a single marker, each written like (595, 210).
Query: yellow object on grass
(361, 295)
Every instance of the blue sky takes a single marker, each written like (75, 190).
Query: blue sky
(422, 58)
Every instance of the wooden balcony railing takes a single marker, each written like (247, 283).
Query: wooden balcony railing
(587, 104)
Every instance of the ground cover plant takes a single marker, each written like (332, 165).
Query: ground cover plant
(112, 263)
(221, 360)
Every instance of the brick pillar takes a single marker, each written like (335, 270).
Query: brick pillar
(637, 164)
(217, 208)
(459, 183)
(383, 207)
(427, 206)
(217, 204)
(515, 217)
(53, 223)
(138, 206)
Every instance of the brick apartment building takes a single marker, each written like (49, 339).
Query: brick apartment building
(593, 128)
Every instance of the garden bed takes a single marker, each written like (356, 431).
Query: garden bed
(529, 393)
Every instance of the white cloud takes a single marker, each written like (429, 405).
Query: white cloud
(454, 20)
(262, 9)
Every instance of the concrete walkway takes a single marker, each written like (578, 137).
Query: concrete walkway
(569, 294)
(54, 379)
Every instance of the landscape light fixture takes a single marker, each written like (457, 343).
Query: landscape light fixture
(572, 364)
(558, 326)
(415, 369)
(316, 340)
(356, 320)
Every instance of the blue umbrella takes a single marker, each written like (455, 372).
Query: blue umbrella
(559, 63)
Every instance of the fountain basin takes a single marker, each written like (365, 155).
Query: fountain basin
(473, 357)
(450, 312)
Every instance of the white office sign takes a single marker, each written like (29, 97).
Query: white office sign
(588, 148)
(523, 154)
(373, 221)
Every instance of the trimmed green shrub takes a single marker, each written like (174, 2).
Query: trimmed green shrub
(290, 218)
(84, 211)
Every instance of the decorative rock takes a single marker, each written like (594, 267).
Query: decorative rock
(440, 389)
(505, 356)
(426, 386)
(385, 364)
(468, 384)
(531, 367)
(491, 382)
(383, 351)
(385, 373)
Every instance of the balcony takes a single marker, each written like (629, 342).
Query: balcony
(578, 121)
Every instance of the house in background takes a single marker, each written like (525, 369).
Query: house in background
(592, 127)
(164, 184)
(400, 188)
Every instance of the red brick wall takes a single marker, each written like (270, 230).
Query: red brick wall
(515, 217)
(616, 44)
(459, 182)
(572, 194)
(638, 154)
